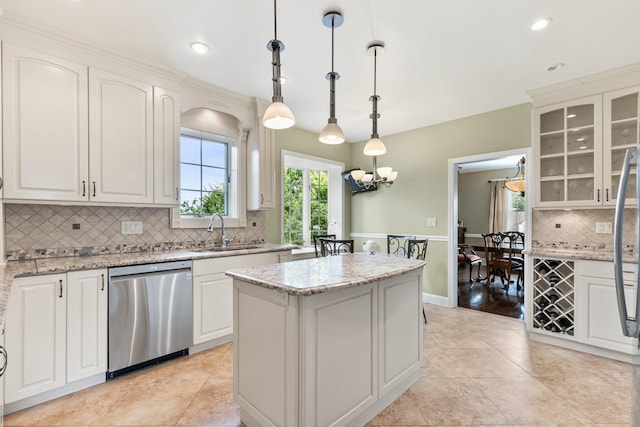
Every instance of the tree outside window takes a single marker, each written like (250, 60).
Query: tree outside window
(305, 204)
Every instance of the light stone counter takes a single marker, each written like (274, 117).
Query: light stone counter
(318, 275)
(578, 254)
(64, 264)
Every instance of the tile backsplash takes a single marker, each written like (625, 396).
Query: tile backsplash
(38, 231)
(577, 228)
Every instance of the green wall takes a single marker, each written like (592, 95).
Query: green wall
(304, 142)
(421, 158)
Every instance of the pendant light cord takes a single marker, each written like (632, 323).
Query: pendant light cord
(333, 25)
(275, 21)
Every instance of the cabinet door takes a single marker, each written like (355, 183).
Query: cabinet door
(621, 117)
(120, 139)
(35, 336)
(600, 323)
(166, 147)
(568, 147)
(212, 307)
(261, 165)
(87, 303)
(45, 132)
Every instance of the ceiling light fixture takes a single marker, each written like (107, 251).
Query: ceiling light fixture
(375, 147)
(332, 133)
(540, 24)
(517, 182)
(556, 66)
(199, 48)
(277, 115)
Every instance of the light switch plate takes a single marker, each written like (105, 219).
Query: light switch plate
(432, 222)
(131, 227)
(604, 228)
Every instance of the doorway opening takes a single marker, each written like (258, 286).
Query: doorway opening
(470, 215)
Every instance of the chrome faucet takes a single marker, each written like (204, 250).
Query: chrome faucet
(224, 240)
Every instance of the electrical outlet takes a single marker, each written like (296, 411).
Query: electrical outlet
(432, 222)
(131, 227)
(604, 228)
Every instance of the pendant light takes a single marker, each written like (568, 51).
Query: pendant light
(332, 133)
(374, 147)
(277, 115)
(517, 183)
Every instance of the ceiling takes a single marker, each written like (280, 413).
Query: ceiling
(443, 59)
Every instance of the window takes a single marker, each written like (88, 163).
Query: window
(203, 175)
(514, 211)
(312, 198)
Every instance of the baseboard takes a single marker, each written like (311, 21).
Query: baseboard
(435, 299)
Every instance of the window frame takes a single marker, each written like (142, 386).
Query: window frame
(236, 194)
(336, 192)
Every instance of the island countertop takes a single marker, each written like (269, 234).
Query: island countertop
(318, 275)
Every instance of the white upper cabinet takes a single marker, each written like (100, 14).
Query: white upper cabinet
(261, 165)
(568, 154)
(120, 138)
(45, 130)
(166, 146)
(621, 116)
(74, 133)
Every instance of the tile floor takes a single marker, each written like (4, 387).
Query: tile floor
(480, 369)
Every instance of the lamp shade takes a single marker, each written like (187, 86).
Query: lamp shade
(384, 172)
(392, 176)
(357, 174)
(278, 116)
(517, 185)
(331, 134)
(375, 147)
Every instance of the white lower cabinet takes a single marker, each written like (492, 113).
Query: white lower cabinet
(35, 329)
(87, 315)
(56, 332)
(213, 293)
(600, 322)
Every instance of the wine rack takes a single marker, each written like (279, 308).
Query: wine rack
(554, 295)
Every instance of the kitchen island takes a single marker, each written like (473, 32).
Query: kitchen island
(326, 341)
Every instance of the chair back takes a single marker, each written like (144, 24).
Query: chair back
(497, 250)
(316, 244)
(398, 244)
(330, 246)
(418, 248)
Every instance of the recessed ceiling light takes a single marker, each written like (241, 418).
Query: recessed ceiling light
(555, 66)
(540, 24)
(200, 48)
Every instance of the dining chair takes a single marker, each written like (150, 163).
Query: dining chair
(515, 239)
(498, 254)
(417, 249)
(316, 244)
(329, 246)
(398, 244)
(470, 259)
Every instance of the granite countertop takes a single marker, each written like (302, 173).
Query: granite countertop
(64, 264)
(588, 254)
(318, 275)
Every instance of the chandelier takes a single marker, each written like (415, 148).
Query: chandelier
(332, 133)
(277, 115)
(374, 147)
(517, 182)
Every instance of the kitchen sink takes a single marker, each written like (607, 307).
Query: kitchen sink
(227, 248)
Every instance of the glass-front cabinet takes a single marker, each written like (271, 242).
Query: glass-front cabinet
(621, 133)
(569, 143)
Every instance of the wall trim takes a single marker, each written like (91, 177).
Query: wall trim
(384, 236)
(435, 300)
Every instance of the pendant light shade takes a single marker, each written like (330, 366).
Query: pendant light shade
(517, 183)
(332, 133)
(277, 115)
(375, 147)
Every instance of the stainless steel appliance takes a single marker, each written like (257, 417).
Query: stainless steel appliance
(150, 314)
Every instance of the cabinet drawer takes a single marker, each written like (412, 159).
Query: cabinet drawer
(605, 269)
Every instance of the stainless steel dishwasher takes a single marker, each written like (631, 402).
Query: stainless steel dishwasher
(150, 314)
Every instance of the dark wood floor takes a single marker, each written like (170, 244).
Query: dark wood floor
(492, 298)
